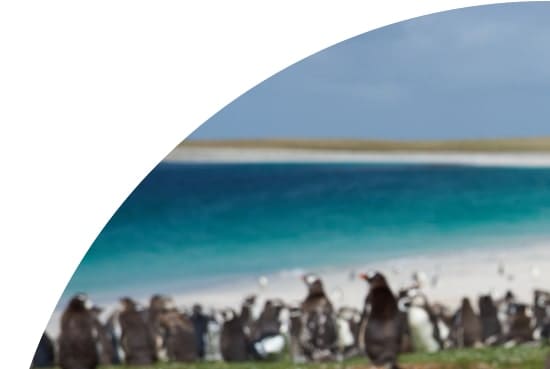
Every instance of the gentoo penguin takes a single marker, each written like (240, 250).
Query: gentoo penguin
(157, 306)
(427, 333)
(247, 315)
(505, 307)
(77, 340)
(136, 337)
(466, 329)
(295, 331)
(44, 354)
(106, 349)
(521, 325)
(179, 336)
(348, 321)
(404, 299)
(234, 343)
(268, 324)
(200, 325)
(491, 330)
(541, 310)
(212, 344)
(319, 335)
(267, 338)
(383, 329)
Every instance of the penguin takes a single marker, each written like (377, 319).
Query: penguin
(521, 329)
(427, 333)
(248, 313)
(404, 305)
(316, 298)
(348, 321)
(491, 329)
(179, 336)
(319, 334)
(77, 340)
(295, 332)
(384, 326)
(157, 306)
(200, 326)
(466, 329)
(541, 310)
(268, 323)
(44, 355)
(505, 308)
(136, 337)
(212, 347)
(112, 325)
(107, 351)
(267, 337)
(234, 343)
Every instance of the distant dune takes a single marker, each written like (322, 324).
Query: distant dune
(541, 144)
(532, 152)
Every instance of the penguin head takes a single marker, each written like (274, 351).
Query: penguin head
(229, 315)
(197, 309)
(79, 302)
(128, 304)
(313, 283)
(374, 279)
(250, 300)
(157, 302)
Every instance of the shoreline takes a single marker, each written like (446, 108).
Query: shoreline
(466, 272)
(228, 155)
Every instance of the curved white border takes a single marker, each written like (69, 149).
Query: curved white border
(94, 94)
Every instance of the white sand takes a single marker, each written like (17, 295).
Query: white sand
(461, 273)
(258, 155)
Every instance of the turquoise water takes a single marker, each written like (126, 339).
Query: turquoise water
(192, 225)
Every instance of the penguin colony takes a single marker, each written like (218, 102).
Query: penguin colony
(389, 323)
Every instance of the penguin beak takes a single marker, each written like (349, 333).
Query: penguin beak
(364, 276)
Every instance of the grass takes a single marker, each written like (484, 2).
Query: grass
(540, 144)
(486, 358)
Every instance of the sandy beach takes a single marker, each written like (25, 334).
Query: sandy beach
(462, 273)
(199, 154)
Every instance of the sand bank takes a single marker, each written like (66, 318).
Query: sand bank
(274, 155)
(457, 274)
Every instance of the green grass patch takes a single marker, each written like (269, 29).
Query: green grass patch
(486, 358)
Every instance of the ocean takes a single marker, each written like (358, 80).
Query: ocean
(189, 226)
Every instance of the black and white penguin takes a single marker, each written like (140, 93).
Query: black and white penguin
(348, 321)
(541, 311)
(491, 329)
(267, 338)
(104, 339)
(319, 334)
(77, 340)
(426, 330)
(234, 343)
(212, 341)
(44, 355)
(384, 326)
(136, 337)
(466, 329)
(179, 339)
(521, 325)
(295, 331)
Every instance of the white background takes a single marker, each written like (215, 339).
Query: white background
(94, 94)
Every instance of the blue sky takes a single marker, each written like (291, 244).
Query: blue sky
(480, 72)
